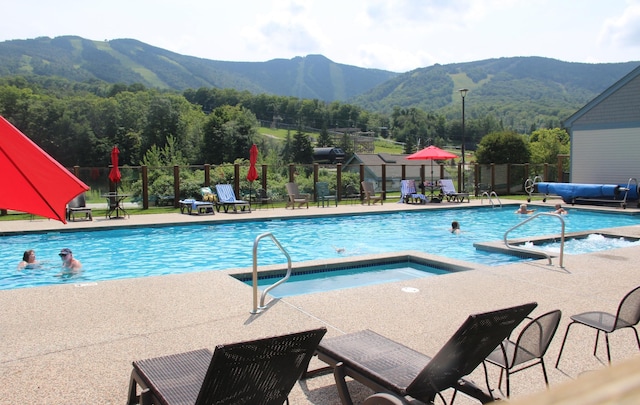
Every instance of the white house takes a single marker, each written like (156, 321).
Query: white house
(605, 135)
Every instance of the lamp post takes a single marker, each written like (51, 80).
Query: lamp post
(463, 93)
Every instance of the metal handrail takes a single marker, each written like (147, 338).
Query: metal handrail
(493, 193)
(256, 308)
(524, 250)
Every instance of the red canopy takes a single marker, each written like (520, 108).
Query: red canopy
(114, 174)
(253, 158)
(32, 181)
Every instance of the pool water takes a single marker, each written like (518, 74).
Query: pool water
(591, 243)
(348, 278)
(141, 252)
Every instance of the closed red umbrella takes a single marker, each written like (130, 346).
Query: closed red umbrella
(32, 181)
(253, 158)
(253, 173)
(432, 153)
(114, 174)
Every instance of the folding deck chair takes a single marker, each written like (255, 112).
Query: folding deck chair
(450, 193)
(396, 371)
(227, 199)
(409, 194)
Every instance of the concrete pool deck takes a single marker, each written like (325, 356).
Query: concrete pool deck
(75, 343)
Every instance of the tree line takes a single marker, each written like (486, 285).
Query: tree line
(79, 123)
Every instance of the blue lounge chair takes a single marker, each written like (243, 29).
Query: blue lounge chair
(409, 194)
(227, 199)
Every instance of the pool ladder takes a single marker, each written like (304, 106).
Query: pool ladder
(537, 251)
(257, 309)
(489, 196)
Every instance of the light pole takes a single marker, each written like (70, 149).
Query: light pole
(463, 93)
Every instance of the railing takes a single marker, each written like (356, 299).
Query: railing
(537, 251)
(257, 309)
(489, 196)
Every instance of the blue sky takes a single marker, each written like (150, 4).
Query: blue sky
(396, 35)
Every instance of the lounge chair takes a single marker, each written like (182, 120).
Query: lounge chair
(409, 194)
(450, 193)
(295, 197)
(78, 206)
(370, 193)
(528, 349)
(261, 371)
(627, 316)
(227, 199)
(324, 195)
(397, 371)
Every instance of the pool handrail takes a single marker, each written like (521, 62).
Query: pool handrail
(489, 195)
(257, 309)
(524, 250)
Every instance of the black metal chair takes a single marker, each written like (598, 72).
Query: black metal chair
(262, 198)
(628, 316)
(528, 349)
(78, 206)
(261, 371)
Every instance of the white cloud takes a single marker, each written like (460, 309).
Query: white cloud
(623, 30)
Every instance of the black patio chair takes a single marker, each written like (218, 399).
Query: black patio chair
(628, 316)
(260, 372)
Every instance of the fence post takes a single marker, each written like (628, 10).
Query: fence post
(263, 180)
(176, 186)
(236, 179)
(207, 175)
(493, 176)
(384, 180)
(315, 181)
(145, 187)
(292, 172)
(339, 181)
(509, 178)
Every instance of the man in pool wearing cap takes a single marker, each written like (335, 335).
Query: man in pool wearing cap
(69, 264)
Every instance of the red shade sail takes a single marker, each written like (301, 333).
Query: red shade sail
(253, 158)
(114, 174)
(31, 180)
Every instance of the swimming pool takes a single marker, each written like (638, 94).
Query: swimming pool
(141, 252)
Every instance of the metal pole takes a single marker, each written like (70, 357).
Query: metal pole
(463, 93)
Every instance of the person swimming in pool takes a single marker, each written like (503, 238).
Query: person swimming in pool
(455, 227)
(29, 260)
(70, 265)
(559, 210)
(524, 210)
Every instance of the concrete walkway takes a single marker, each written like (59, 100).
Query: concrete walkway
(73, 344)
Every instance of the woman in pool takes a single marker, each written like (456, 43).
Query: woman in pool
(524, 210)
(29, 260)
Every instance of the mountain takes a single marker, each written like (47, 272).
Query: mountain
(544, 85)
(129, 61)
(520, 91)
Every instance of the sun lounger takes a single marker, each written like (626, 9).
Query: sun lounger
(227, 199)
(409, 194)
(389, 367)
(450, 193)
(190, 206)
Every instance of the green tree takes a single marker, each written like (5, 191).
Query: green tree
(302, 149)
(503, 147)
(547, 144)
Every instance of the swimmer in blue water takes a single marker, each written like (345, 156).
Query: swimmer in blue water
(70, 265)
(29, 260)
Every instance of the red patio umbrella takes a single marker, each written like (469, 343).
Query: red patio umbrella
(32, 181)
(114, 174)
(432, 153)
(253, 173)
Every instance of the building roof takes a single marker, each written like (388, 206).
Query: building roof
(373, 165)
